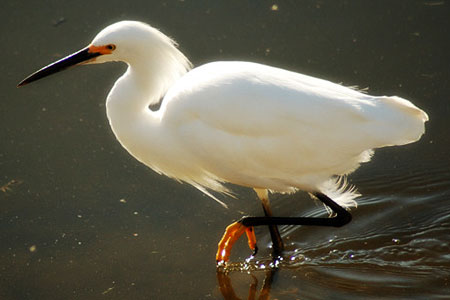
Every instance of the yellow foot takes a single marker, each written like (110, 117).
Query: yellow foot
(232, 233)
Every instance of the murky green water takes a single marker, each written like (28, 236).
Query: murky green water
(81, 219)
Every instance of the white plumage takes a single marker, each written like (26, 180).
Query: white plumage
(244, 123)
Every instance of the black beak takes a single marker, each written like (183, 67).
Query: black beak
(76, 58)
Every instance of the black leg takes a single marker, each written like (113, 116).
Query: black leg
(342, 217)
(277, 242)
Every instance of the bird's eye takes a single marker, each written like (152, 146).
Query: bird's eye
(111, 47)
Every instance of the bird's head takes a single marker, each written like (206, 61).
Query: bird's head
(122, 41)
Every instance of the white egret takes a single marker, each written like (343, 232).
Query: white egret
(243, 123)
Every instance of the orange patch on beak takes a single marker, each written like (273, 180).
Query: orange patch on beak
(100, 49)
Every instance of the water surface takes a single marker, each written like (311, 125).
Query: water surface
(81, 219)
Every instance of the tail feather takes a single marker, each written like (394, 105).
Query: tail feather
(405, 120)
(340, 191)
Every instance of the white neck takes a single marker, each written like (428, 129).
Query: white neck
(145, 82)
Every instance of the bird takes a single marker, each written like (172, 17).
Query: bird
(242, 123)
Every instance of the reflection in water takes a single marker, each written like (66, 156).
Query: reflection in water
(269, 266)
(228, 292)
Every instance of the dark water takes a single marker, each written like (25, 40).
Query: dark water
(81, 219)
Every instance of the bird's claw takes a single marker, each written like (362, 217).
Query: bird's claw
(255, 251)
(232, 233)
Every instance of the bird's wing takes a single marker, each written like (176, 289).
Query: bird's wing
(280, 129)
(266, 122)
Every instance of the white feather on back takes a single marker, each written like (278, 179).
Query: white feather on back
(281, 130)
(245, 123)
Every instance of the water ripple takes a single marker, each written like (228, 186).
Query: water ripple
(397, 245)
